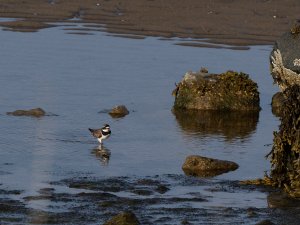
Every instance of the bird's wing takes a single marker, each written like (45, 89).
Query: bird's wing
(96, 132)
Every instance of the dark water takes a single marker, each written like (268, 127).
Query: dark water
(76, 76)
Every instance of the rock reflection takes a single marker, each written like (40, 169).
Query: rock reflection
(230, 124)
(102, 153)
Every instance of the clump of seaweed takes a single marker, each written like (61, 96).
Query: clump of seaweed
(285, 154)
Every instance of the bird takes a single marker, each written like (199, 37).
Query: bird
(102, 133)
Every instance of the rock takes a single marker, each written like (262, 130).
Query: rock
(195, 165)
(277, 103)
(161, 189)
(37, 112)
(124, 218)
(265, 222)
(251, 212)
(285, 59)
(118, 111)
(282, 200)
(185, 222)
(226, 91)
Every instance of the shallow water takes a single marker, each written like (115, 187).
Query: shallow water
(76, 76)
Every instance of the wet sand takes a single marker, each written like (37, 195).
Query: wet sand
(221, 21)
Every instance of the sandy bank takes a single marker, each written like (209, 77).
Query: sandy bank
(220, 21)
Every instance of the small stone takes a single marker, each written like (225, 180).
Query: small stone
(195, 165)
(124, 218)
(185, 222)
(162, 189)
(277, 103)
(37, 112)
(118, 111)
(251, 212)
(142, 192)
(265, 222)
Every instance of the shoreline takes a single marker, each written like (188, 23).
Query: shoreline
(229, 22)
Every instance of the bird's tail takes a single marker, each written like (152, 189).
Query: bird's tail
(91, 130)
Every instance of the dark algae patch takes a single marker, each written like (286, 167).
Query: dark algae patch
(91, 202)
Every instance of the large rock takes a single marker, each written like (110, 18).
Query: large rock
(124, 218)
(285, 59)
(196, 165)
(37, 112)
(226, 91)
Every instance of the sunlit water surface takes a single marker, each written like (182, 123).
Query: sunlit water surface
(76, 76)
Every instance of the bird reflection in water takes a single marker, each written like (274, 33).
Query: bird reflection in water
(102, 153)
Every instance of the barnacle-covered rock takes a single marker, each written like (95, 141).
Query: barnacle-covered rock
(285, 154)
(226, 91)
(285, 59)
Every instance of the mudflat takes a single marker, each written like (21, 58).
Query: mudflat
(233, 22)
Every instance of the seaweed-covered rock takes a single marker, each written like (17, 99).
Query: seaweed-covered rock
(37, 112)
(285, 59)
(124, 218)
(226, 91)
(196, 165)
(118, 111)
(285, 154)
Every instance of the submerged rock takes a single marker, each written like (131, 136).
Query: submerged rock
(37, 112)
(265, 222)
(285, 155)
(124, 218)
(196, 165)
(282, 200)
(118, 111)
(285, 59)
(226, 91)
